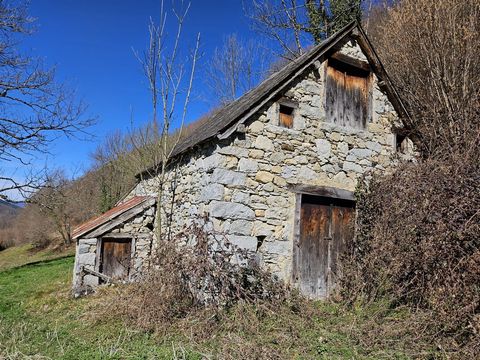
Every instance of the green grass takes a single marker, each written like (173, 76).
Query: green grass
(39, 319)
(24, 254)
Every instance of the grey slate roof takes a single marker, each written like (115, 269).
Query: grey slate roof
(233, 112)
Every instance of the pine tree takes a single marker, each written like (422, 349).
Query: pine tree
(343, 12)
(317, 19)
(325, 19)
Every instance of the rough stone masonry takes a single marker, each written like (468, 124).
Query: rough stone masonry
(243, 183)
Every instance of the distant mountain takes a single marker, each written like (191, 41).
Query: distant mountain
(8, 208)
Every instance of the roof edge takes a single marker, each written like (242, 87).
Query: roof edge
(298, 66)
(286, 76)
(145, 202)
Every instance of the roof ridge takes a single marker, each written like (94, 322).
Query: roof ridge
(228, 115)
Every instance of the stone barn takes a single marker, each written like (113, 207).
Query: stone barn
(274, 171)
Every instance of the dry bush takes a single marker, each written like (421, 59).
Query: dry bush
(7, 238)
(58, 207)
(430, 49)
(196, 270)
(7, 234)
(418, 243)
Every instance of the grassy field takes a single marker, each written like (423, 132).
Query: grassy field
(39, 319)
(24, 254)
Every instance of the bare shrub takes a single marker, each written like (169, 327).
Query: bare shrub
(7, 238)
(430, 48)
(31, 226)
(418, 243)
(193, 271)
(235, 68)
(8, 214)
(293, 25)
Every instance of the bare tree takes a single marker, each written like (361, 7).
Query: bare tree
(171, 80)
(121, 156)
(284, 21)
(169, 71)
(235, 68)
(53, 202)
(33, 227)
(115, 168)
(66, 201)
(294, 24)
(430, 48)
(34, 109)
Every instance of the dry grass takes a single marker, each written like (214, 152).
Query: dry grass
(208, 305)
(39, 319)
(196, 270)
(294, 329)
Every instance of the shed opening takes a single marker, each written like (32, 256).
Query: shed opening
(115, 258)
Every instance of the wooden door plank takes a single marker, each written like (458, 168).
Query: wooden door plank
(324, 228)
(312, 259)
(331, 95)
(116, 257)
(342, 233)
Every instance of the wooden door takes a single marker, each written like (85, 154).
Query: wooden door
(347, 94)
(116, 257)
(342, 225)
(325, 228)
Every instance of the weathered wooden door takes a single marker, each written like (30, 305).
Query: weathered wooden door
(347, 96)
(116, 257)
(325, 228)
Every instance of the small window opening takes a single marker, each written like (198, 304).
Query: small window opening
(286, 116)
(260, 240)
(401, 142)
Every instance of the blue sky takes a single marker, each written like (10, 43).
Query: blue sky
(91, 42)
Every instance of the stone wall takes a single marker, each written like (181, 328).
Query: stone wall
(242, 183)
(139, 229)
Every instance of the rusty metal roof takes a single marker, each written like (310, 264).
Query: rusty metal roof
(109, 215)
